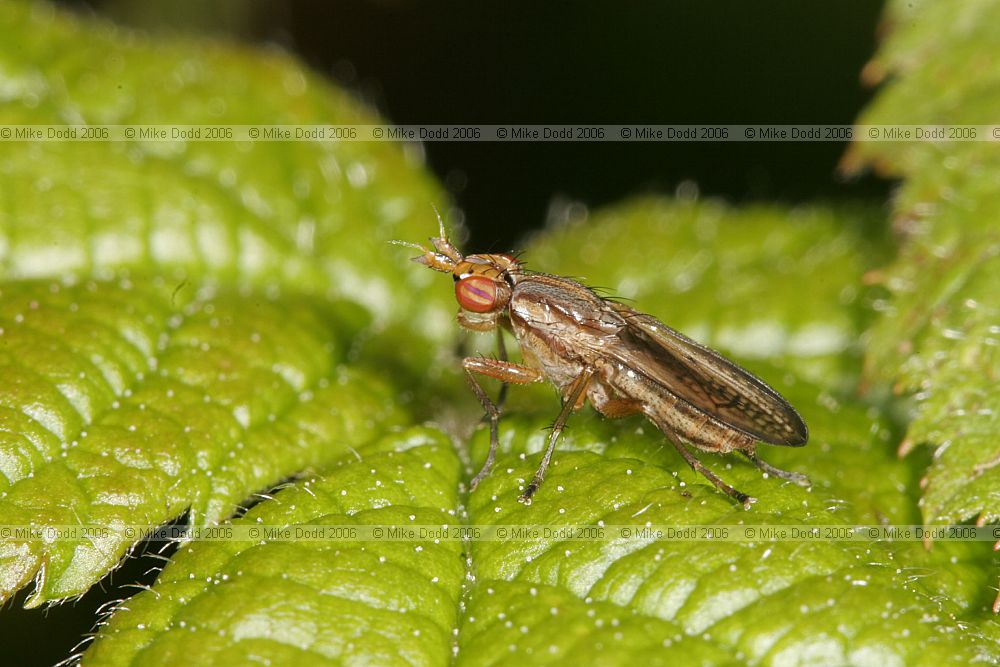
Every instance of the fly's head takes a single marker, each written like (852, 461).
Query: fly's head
(483, 286)
(483, 283)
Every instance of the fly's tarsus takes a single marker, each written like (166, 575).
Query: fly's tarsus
(763, 465)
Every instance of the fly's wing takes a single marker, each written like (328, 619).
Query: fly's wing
(706, 380)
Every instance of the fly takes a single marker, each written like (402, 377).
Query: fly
(623, 361)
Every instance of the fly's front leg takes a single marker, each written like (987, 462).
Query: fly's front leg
(506, 372)
(502, 356)
(571, 402)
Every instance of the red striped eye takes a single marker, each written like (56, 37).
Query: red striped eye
(476, 293)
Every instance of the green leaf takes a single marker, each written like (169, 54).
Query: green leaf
(311, 217)
(314, 602)
(627, 601)
(232, 281)
(939, 332)
(760, 603)
(121, 408)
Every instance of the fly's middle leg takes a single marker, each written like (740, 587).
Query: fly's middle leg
(506, 372)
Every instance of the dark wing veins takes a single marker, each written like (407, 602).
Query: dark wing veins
(705, 379)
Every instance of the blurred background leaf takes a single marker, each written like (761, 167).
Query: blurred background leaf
(938, 334)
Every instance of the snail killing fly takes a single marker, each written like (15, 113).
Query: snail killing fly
(621, 360)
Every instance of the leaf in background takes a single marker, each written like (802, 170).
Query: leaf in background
(312, 217)
(939, 332)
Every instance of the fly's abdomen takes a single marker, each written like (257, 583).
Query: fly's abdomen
(672, 414)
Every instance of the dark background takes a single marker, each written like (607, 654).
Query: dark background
(784, 61)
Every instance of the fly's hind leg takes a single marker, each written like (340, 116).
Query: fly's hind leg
(698, 466)
(572, 400)
(796, 477)
(507, 373)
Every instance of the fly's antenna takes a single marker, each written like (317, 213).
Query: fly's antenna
(407, 244)
(444, 257)
(441, 242)
(435, 260)
(441, 231)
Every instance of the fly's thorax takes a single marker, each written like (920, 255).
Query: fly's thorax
(560, 324)
(563, 308)
(538, 350)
